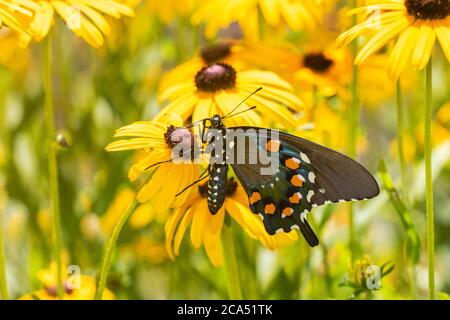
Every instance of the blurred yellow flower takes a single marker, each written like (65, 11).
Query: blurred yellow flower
(297, 14)
(416, 23)
(157, 139)
(169, 9)
(12, 54)
(83, 17)
(218, 88)
(239, 54)
(327, 71)
(148, 249)
(206, 228)
(142, 215)
(328, 127)
(76, 286)
(440, 127)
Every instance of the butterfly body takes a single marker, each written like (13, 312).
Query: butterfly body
(217, 186)
(218, 169)
(306, 175)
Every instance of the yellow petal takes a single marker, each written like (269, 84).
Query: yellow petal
(199, 221)
(381, 39)
(401, 54)
(443, 35)
(181, 230)
(270, 11)
(424, 46)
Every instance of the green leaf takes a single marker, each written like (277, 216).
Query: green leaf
(390, 267)
(412, 236)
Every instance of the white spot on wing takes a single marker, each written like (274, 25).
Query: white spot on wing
(304, 157)
(294, 226)
(309, 195)
(280, 230)
(322, 190)
(311, 177)
(303, 215)
(261, 216)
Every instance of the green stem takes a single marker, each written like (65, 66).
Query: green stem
(400, 139)
(3, 280)
(111, 246)
(52, 159)
(353, 133)
(429, 180)
(231, 265)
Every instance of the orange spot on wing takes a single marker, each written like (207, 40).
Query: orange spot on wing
(296, 197)
(297, 180)
(292, 163)
(270, 208)
(287, 211)
(273, 145)
(255, 197)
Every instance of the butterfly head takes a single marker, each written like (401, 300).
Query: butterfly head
(216, 121)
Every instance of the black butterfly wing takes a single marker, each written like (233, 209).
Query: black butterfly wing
(338, 177)
(307, 175)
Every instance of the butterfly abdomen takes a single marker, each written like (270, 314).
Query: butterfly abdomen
(216, 187)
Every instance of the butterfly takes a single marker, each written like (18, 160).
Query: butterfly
(306, 174)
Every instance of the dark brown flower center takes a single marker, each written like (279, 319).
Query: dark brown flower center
(215, 53)
(428, 9)
(175, 136)
(184, 141)
(317, 62)
(215, 77)
(230, 188)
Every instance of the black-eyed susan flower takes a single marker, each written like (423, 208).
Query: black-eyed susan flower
(76, 286)
(157, 139)
(218, 88)
(84, 17)
(206, 228)
(242, 55)
(297, 14)
(326, 71)
(416, 23)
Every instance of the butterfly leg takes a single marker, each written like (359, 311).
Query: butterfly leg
(158, 163)
(201, 178)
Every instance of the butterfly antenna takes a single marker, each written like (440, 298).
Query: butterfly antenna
(240, 103)
(232, 115)
(193, 124)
